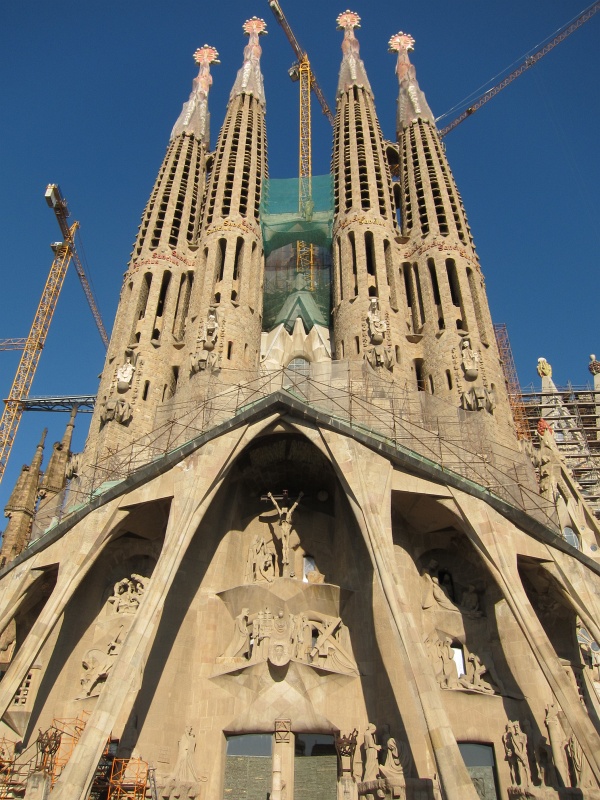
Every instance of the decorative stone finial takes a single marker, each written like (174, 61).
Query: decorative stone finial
(352, 71)
(249, 79)
(412, 104)
(194, 114)
(594, 366)
(543, 368)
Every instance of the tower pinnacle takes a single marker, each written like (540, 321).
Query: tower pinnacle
(352, 71)
(249, 79)
(412, 104)
(194, 114)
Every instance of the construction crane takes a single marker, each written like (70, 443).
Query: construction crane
(302, 72)
(531, 59)
(32, 346)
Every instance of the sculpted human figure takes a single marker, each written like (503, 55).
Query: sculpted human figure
(473, 679)
(125, 375)
(449, 677)
(239, 646)
(469, 602)
(433, 593)
(470, 360)
(396, 766)
(285, 527)
(515, 746)
(557, 737)
(260, 562)
(371, 768)
(184, 770)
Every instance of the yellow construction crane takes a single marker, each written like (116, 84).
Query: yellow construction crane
(531, 59)
(302, 72)
(33, 345)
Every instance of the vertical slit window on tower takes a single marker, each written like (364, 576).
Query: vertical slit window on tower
(160, 306)
(419, 294)
(229, 350)
(146, 390)
(221, 253)
(476, 305)
(419, 377)
(237, 258)
(354, 263)
(449, 378)
(340, 272)
(389, 271)
(455, 291)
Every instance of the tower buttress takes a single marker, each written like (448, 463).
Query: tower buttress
(146, 351)
(454, 351)
(20, 508)
(228, 293)
(368, 321)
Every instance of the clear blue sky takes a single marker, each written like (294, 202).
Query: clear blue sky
(90, 91)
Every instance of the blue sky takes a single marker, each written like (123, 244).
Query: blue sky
(90, 91)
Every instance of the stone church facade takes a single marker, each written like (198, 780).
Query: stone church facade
(304, 561)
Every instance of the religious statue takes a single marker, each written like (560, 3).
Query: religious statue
(239, 646)
(117, 410)
(127, 594)
(434, 594)
(515, 747)
(125, 375)
(285, 527)
(470, 360)
(478, 399)
(207, 359)
(473, 679)
(183, 781)
(97, 665)
(371, 764)
(396, 766)
(376, 354)
(557, 738)
(260, 564)
(469, 602)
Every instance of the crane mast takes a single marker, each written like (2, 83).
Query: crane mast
(302, 72)
(527, 64)
(33, 345)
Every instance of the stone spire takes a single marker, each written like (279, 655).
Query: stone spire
(54, 479)
(249, 79)
(451, 340)
(352, 71)
(145, 356)
(21, 507)
(412, 104)
(194, 117)
(227, 299)
(368, 318)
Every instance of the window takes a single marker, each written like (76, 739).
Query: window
(459, 658)
(310, 565)
(571, 537)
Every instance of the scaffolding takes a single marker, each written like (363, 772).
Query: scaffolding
(412, 422)
(512, 381)
(574, 414)
(128, 779)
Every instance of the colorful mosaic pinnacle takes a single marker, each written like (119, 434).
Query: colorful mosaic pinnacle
(256, 25)
(401, 41)
(206, 55)
(347, 20)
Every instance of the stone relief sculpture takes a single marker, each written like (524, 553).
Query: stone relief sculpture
(441, 655)
(127, 594)
(478, 399)
(557, 738)
(436, 594)
(470, 360)
(376, 353)
(97, 665)
(371, 763)
(125, 375)
(207, 358)
(396, 765)
(515, 748)
(117, 410)
(183, 782)
(310, 638)
(285, 527)
(260, 564)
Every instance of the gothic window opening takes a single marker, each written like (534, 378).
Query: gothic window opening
(421, 307)
(183, 303)
(431, 386)
(237, 258)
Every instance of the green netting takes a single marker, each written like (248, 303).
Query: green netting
(295, 210)
(289, 293)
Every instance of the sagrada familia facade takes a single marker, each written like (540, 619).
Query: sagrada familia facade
(304, 553)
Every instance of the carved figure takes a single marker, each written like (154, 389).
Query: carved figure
(470, 360)
(469, 602)
(473, 679)
(543, 368)
(478, 399)
(184, 771)
(434, 594)
(285, 527)
(515, 747)
(125, 375)
(97, 665)
(396, 766)
(261, 562)
(379, 357)
(594, 365)
(117, 410)
(557, 737)
(127, 594)
(207, 358)
(376, 326)
(449, 671)
(371, 768)
(239, 646)
(576, 760)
